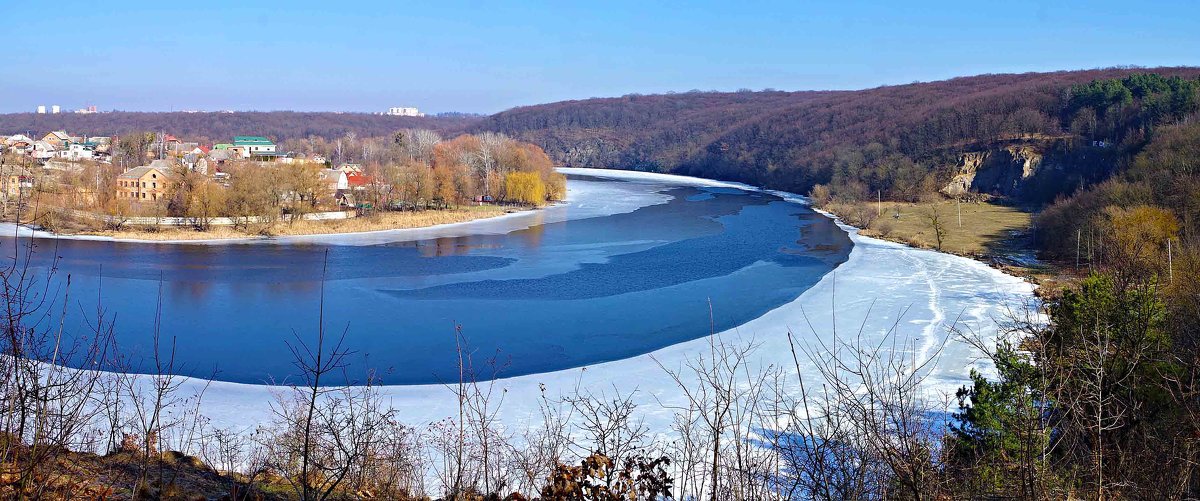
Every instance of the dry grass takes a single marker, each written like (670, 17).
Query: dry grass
(392, 220)
(374, 222)
(984, 226)
(79, 475)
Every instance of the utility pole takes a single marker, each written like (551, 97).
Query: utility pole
(960, 214)
(1170, 265)
(1091, 256)
(1079, 237)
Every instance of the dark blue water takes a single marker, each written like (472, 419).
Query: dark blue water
(554, 296)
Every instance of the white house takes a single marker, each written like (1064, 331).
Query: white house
(42, 150)
(336, 180)
(77, 151)
(254, 146)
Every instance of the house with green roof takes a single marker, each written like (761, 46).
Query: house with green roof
(255, 147)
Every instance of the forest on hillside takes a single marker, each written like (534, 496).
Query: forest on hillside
(900, 140)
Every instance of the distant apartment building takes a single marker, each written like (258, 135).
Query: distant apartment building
(55, 109)
(404, 112)
(142, 184)
(86, 111)
(41, 109)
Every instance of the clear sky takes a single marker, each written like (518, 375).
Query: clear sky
(489, 56)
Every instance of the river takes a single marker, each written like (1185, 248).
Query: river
(625, 267)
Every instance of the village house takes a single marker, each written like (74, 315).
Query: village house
(196, 160)
(201, 166)
(255, 147)
(337, 183)
(17, 138)
(103, 143)
(19, 144)
(142, 184)
(221, 155)
(58, 138)
(358, 181)
(292, 158)
(77, 151)
(42, 150)
(15, 182)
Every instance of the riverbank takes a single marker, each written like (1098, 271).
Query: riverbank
(377, 222)
(995, 234)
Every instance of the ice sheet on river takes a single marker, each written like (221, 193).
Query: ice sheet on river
(880, 281)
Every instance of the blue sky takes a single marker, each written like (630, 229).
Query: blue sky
(486, 57)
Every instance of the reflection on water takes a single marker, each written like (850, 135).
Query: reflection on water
(555, 295)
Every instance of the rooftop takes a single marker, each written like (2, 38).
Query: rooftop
(137, 172)
(250, 140)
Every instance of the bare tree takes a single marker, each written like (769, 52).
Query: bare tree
(322, 434)
(45, 408)
(545, 444)
(607, 424)
(934, 218)
(724, 403)
(151, 395)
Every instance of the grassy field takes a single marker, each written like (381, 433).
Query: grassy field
(374, 222)
(968, 228)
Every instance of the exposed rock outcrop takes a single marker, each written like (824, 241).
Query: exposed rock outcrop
(998, 171)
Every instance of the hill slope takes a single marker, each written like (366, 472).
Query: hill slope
(901, 140)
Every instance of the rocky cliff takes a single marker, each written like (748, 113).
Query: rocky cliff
(1001, 170)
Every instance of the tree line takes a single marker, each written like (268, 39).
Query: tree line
(408, 170)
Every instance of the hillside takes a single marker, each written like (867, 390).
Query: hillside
(902, 140)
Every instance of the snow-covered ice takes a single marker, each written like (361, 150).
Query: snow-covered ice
(880, 282)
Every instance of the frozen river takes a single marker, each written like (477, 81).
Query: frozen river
(625, 267)
(919, 295)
